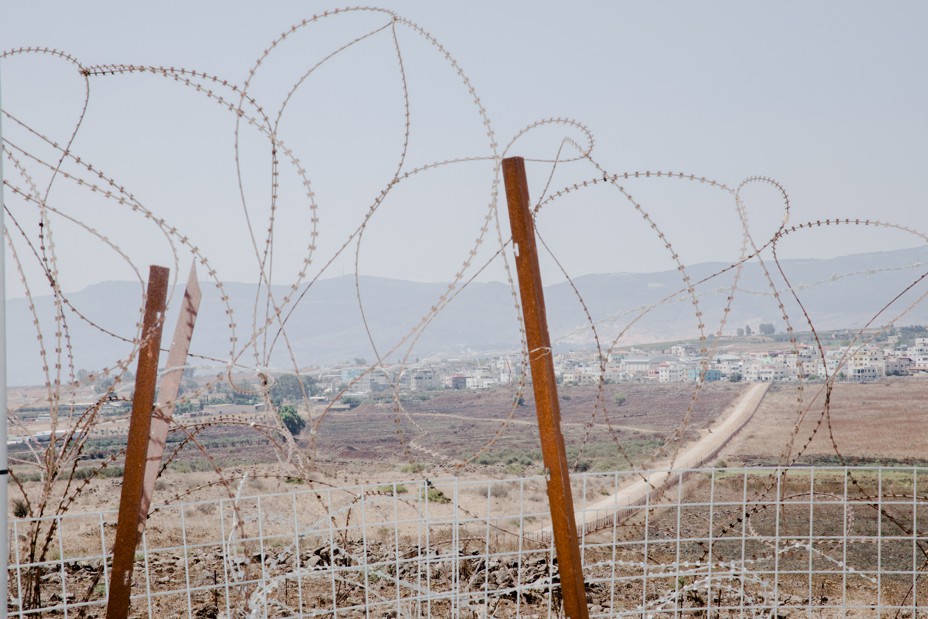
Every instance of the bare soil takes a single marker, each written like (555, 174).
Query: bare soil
(458, 425)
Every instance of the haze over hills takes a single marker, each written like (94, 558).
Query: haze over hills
(327, 325)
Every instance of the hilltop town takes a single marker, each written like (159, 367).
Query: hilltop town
(765, 357)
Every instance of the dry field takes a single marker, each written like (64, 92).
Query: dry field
(814, 540)
(883, 422)
(791, 556)
(428, 437)
(445, 428)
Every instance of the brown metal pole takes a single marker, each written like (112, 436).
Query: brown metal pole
(560, 498)
(146, 376)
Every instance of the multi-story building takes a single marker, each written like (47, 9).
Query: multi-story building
(865, 364)
(710, 375)
(918, 353)
(422, 379)
(636, 366)
(669, 372)
(897, 365)
(767, 372)
(727, 365)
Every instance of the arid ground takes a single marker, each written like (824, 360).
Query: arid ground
(883, 422)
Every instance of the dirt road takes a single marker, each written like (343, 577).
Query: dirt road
(692, 456)
(534, 423)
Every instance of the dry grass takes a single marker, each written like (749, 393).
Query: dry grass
(873, 423)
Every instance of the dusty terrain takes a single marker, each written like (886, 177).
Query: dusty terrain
(883, 422)
(435, 434)
(456, 426)
(427, 437)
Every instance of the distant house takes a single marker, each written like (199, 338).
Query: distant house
(865, 364)
(919, 355)
(767, 372)
(636, 365)
(424, 378)
(728, 364)
(897, 366)
(349, 374)
(710, 376)
(671, 372)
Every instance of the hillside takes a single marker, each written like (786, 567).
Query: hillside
(327, 324)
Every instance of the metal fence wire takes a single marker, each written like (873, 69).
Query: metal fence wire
(752, 542)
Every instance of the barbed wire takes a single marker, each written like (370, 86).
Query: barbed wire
(36, 213)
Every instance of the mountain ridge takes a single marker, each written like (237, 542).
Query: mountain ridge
(327, 325)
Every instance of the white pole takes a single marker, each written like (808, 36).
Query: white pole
(4, 474)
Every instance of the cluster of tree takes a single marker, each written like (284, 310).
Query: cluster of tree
(293, 388)
(765, 328)
(99, 381)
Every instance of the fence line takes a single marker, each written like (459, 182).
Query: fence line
(455, 547)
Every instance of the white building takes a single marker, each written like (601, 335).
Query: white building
(865, 364)
(671, 372)
(918, 353)
(422, 379)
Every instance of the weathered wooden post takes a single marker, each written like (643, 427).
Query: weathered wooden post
(560, 498)
(168, 388)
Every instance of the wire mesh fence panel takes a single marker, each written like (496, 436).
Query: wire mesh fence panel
(753, 542)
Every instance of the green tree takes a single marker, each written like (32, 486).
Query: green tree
(291, 419)
(767, 328)
(287, 387)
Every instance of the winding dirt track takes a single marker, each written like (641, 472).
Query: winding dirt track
(692, 456)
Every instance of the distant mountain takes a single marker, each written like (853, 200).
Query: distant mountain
(326, 326)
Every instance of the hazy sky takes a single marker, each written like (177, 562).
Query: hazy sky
(828, 98)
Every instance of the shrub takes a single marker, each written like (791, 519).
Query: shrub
(291, 419)
(388, 489)
(20, 508)
(434, 495)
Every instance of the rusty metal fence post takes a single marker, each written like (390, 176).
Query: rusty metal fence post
(143, 402)
(560, 498)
